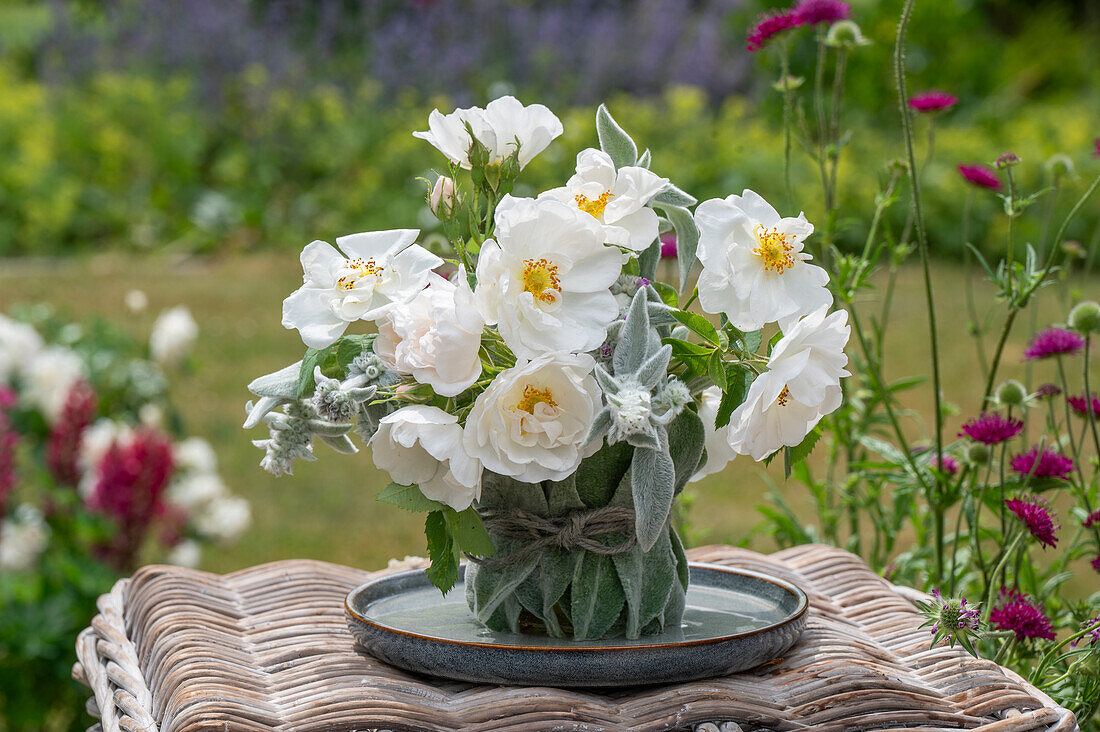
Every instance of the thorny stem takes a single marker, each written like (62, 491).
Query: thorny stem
(922, 243)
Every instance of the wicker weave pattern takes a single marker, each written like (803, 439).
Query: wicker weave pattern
(267, 649)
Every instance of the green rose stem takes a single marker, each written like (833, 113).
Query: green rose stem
(922, 245)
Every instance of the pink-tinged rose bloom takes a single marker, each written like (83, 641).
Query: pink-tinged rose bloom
(981, 175)
(1081, 405)
(813, 12)
(1054, 342)
(1037, 516)
(933, 100)
(991, 428)
(1045, 464)
(768, 27)
(1022, 615)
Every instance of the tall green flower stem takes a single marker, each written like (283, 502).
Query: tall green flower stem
(991, 583)
(1020, 299)
(788, 113)
(922, 246)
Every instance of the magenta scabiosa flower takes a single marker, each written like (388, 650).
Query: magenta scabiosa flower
(668, 245)
(813, 12)
(945, 463)
(980, 175)
(1096, 563)
(1045, 464)
(9, 442)
(1047, 391)
(1091, 630)
(1054, 342)
(991, 428)
(1081, 406)
(768, 26)
(1037, 516)
(1022, 615)
(1091, 520)
(933, 100)
(952, 619)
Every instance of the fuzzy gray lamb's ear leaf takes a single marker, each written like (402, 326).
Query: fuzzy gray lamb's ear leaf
(687, 239)
(652, 487)
(636, 340)
(613, 139)
(256, 412)
(653, 369)
(282, 383)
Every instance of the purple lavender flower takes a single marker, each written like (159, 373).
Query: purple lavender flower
(1054, 342)
(813, 12)
(991, 428)
(1050, 464)
(932, 101)
(1022, 615)
(1037, 516)
(1080, 405)
(981, 175)
(769, 26)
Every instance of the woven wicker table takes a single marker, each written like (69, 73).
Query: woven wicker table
(267, 649)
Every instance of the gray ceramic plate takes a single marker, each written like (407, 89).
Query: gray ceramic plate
(735, 619)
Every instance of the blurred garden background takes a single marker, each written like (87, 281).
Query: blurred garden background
(189, 149)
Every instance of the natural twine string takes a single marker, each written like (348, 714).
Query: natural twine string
(576, 530)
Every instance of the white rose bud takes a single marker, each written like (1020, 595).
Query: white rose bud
(442, 198)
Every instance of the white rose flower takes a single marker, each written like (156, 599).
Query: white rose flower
(19, 343)
(801, 386)
(187, 553)
(503, 124)
(380, 267)
(195, 455)
(716, 441)
(23, 538)
(615, 198)
(48, 377)
(194, 491)
(544, 280)
(422, 445)
(224, 519)
(754, 269)
(174, 333)
(532, 421)
(435, 337)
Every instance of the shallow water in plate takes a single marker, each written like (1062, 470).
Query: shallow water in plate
(711, 612)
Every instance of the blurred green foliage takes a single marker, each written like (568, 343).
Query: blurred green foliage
(139, 159)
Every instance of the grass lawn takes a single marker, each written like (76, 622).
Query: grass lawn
(327, 509)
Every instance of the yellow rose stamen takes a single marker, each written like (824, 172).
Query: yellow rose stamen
(533, 396)
(773, 249)
(361, 269)
(594, 206)
(540, 278)
(784, 395)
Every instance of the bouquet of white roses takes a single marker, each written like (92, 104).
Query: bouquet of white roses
(546, 400)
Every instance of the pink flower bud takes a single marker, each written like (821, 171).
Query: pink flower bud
(442, 198)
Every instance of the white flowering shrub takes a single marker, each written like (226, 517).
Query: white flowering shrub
(538, 392)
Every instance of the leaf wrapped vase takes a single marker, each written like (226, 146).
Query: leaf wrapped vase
(569, 562)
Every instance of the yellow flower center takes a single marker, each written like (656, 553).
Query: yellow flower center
(361, 269)
(784, 395)
(773, 249)
(533, 396)
(594, 206)
(540, 278)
